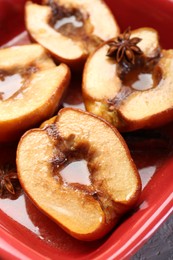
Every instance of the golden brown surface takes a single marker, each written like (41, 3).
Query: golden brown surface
(133, 107)
(86, 211)
(39, 93)
(81, 31)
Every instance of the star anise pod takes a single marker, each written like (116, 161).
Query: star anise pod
(7, 175)
(124, 48)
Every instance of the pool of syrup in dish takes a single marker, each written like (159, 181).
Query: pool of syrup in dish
(149, 150)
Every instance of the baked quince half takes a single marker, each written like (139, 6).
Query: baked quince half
(31, 88)
(129, 81)
(86, 208)
(70, 29)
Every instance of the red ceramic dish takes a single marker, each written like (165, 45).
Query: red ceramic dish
(27, 234)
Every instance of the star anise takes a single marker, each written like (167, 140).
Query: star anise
(8, 175)
(124, 48)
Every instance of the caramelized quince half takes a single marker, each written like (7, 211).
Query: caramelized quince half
(128, 81)
(87, 209)
(70, 29)
(31, 88)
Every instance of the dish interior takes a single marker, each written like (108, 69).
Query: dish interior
(151, 151)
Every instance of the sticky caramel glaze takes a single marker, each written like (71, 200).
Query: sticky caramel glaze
(155, 105)
(66, 155)
(76, 173)
(84, 10)
(17, 67)
(130, 73)
(72, 23)
(145, 74)
(14, 82)
(68, 21)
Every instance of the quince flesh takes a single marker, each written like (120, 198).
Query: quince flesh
(140, 108)
(76, 30)
(87, 212)
(37, 94)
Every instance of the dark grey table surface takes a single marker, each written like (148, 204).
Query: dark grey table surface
(160, 245)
